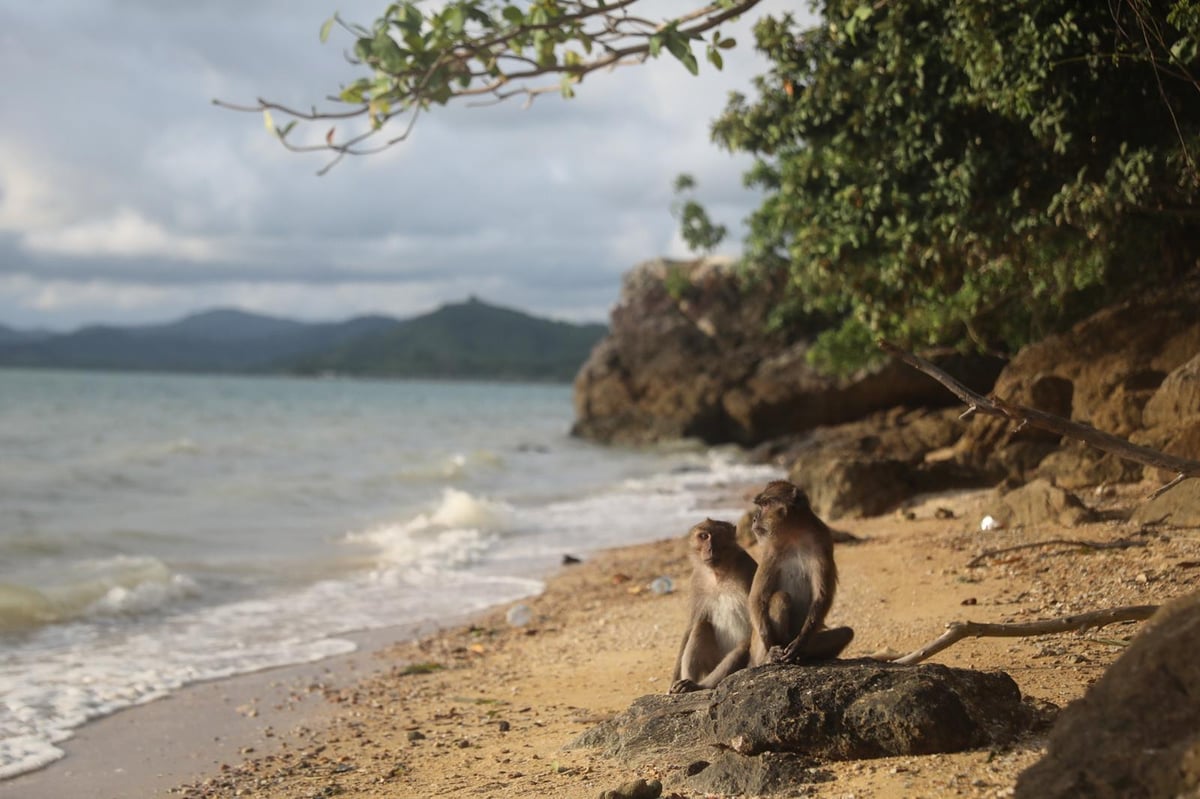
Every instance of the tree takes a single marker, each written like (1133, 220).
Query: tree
(976, 173)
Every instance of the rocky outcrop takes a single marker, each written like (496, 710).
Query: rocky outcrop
(689, 354)
(761, 730)
(1135, 734)
(1115, 370)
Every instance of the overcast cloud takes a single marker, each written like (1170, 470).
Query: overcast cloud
(126, 197)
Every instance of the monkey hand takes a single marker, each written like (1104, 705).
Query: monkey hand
(684, 687)
(779, 654)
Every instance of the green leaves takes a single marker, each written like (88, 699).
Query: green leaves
(975, 173)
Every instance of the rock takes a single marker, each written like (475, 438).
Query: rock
(1115, 361)
(1178, 397)
(1135, 734)
(1078, 465)
(689, 354)
(1179, 507)
(839, 487)
(866, 468)
(635, 789)
(763, 728)
(1041, 502)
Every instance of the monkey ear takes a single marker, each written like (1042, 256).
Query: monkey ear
(795, 495)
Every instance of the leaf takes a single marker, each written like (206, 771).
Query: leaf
(714, 58)
(326, 27)
(329, 137)
(564, 86)
(268, 122)
(286, 129)
(655, 45)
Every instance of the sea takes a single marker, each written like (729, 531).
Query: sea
(158, 530)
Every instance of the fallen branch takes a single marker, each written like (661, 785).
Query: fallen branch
(958, 630)
(1124, 543)
(994, 406)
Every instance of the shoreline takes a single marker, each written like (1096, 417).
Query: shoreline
(150, 748)
(493, 714)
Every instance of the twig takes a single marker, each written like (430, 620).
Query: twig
(1124, 543)
(994, 406)
(958, 630)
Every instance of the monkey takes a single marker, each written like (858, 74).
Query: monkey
(717, 640)
(795, 583)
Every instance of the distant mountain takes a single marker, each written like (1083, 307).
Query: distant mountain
(471, 339)
(468, 340)
(9, 335)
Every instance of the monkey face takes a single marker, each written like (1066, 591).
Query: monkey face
(773, 504)
(710, 538)
(767, 517)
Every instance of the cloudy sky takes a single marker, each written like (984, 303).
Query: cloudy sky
(127, 197)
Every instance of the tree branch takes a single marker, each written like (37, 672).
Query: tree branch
(995, 406)
(958, 630)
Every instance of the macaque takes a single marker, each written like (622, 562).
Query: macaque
(717, 640)
(795, 582)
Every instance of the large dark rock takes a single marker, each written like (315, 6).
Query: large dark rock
(765, 728)
(689, 354)
(868, 467)
(1135, 734)
(1105, 371)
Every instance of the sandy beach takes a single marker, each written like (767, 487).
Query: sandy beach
(483, 708)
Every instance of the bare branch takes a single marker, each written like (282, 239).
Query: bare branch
(958, 630)
(994, 406)
(1124, 543)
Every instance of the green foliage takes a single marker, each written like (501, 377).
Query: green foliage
(698, 230)
(976, 172)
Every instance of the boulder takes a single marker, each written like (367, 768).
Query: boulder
(689, 354)
(1041, 502)
(1135, 734)
(1179, 507)
(762, 729)
(1105, 371)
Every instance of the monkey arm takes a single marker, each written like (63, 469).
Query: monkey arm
(683, 646)
(734, 660)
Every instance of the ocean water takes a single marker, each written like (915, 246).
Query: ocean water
(157, 530)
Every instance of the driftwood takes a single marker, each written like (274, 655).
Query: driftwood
(958, 630)
(995, 406)
(1123, 543)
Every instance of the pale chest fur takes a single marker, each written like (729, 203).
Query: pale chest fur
(796, 578)
(730, 620)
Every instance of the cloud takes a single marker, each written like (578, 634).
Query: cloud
(125, 194)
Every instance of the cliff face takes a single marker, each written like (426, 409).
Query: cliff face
(688, 354)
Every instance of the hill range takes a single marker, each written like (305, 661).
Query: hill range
(466, 340)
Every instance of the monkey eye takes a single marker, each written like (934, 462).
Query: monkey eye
(703, 536)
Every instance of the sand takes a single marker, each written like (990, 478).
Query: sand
(485, 709)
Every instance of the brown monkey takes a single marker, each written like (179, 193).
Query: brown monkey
(717, 640)
(795, 583)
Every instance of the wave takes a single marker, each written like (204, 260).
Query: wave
(453, 534)
(118, 586)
